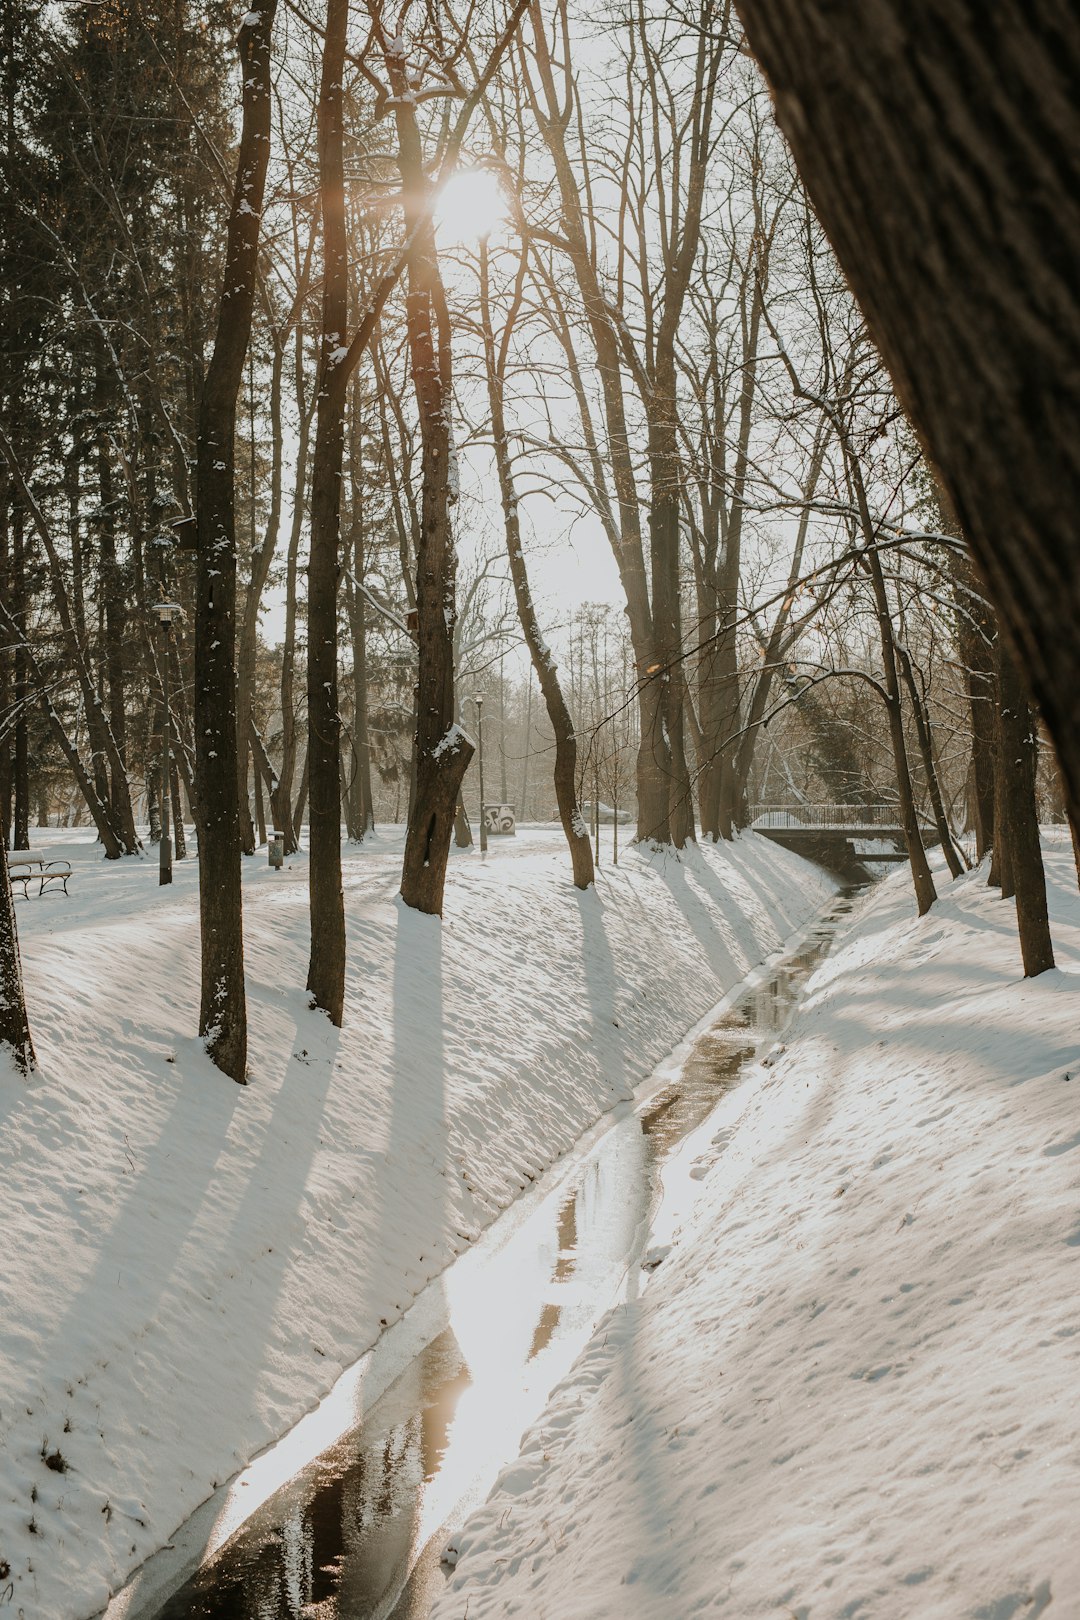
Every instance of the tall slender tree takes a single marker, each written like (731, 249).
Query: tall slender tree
(326, 964)
(223, 1011)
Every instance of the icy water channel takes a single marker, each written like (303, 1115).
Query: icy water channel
(357, 1534)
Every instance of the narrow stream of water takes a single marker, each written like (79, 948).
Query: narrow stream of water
(357, 1534)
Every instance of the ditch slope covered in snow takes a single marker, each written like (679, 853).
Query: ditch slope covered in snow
(187, 1264)
(853, 1388)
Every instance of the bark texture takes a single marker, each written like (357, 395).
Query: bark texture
(14, 1029)
(443, 751)
(1018, 831)
(941, 147)
(223, 1011)
(326, 964)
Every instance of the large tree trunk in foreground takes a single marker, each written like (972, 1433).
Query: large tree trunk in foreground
(326, 964)
(223, 1012)
(14, 1029)
(941, 147)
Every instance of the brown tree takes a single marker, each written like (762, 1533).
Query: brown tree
(223, 1011)
(543, 662)
(939, 146)
(326, 964)
(14, 1028)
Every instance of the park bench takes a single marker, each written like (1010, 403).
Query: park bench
(29, 869)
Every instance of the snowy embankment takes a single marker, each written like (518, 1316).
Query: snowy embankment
(188, 1264)
(853, 1388)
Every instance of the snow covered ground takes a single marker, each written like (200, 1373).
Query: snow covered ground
(186, 1264)
(853, 1388)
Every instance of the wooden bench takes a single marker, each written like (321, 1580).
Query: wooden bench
(34, 869)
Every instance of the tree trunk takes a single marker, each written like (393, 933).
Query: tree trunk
(362, 792)
(565, 773)
(926, 751)
(249, 629)
(179, 836)
(665, 478)
(7, 659)
(14, 1028)
(653, 758)
(925, 892)
(462, 831)
(1020, 831)
(281, 802)
(954, 130)
(1000, 874)
(20, 753)
(223, 1011)
(442, 749)
(326, 963)
(300, 806)
(112, 583)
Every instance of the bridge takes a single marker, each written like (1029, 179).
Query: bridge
(830, 832)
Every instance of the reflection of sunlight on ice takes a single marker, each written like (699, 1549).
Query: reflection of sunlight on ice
(334, 1416)
(493, 1308)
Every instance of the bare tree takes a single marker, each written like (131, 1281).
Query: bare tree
(326, 963)
(543, 662)
(223, 1012)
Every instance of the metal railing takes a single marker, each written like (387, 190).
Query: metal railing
(825, 817)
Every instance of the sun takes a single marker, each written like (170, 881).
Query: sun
(472, 205)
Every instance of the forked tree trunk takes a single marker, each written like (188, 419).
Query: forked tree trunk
(14, 1028)
(653, 757)
(223, 1010)
(1019, 831)
(442, 749)
(565, 772)
(326, 963)
(938, 144)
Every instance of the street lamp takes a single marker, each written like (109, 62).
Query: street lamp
(480, 738)
(165, 613)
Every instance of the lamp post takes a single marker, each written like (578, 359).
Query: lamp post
(165, 613)
(480, 738)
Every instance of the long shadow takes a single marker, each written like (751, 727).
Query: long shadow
(137, 1254)
(602, 988)
(704, 921)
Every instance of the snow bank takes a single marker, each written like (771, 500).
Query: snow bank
(853, 1388)
(187, 1264)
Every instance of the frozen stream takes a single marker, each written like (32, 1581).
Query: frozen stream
(353, 1514)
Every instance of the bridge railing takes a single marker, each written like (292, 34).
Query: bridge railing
(826, 817)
